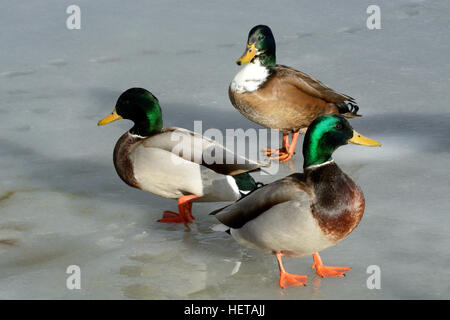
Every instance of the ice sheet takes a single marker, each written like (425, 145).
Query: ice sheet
(61, 202)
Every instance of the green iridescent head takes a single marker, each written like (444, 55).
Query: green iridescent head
(327, 133)
(261, 46)
(141, 107)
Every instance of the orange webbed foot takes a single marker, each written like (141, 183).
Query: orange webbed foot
(327, 271)
(173, 217)
(283, 156)
(269, 152)
(184, 207)
(279, 152)
(290, 279)
(286, 152)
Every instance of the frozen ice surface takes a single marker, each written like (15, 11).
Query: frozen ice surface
(61, 202)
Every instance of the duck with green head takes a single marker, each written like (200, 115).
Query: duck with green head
(169, 161)
(303, 213)
(279, 97)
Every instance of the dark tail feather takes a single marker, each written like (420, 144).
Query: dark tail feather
(246, 184)
(245, 181)
(348, 109)
(218, 210)
(243, 195)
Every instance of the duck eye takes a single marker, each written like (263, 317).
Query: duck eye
(261, 38)
(339, 126)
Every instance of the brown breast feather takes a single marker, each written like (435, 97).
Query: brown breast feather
(289, 100)
(122, 162)
(339, 203)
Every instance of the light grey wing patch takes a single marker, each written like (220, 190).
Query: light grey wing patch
(202, 150)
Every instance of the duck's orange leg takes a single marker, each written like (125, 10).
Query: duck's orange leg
(289, 279)
(288, 152)
(284, 148)
(325, 271)
(184, 214)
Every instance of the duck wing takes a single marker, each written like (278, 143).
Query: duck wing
(196, 148)
(249, 207)
(310, 85)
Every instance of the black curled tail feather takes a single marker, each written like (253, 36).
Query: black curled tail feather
(348, 108)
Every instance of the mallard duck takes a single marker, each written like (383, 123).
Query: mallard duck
(279, 97)
(169, 161)
(303, 213)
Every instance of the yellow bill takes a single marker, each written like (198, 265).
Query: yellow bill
(248, 55)
(360, 139)
(109, 118)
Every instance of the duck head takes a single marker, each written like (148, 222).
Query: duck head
(260, 47)
(140, 106)
(327, 133)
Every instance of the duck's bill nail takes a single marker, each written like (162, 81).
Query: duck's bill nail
(109, 118)
(360, 139)
(248, 55)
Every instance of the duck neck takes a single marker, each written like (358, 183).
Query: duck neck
(321, 173)
(330, 186)
(316, 153)
(267, 59)
(149, 124)
(143, 129)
